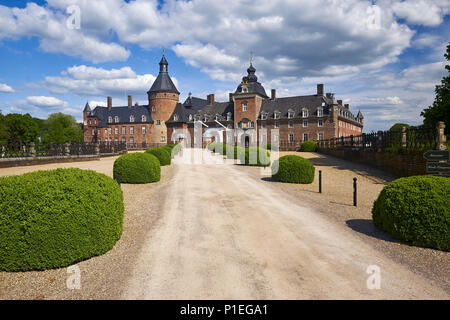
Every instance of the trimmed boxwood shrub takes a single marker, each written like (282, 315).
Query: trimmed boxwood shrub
(162, 154)
(55, 218)
(238, 153)
(417, 210)
(169, 150)
(176, 149)
(308, 146)
(292, 168)
(139, 167)
(262, 157)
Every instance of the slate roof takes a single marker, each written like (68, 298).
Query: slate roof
(295, 104)
(163, 83)
(124, 113)
(252, 83)
(87, 108)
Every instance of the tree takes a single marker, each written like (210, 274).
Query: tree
(59, 128)
(21, 128)
(4, 134)
(440, 110)
(399, 126)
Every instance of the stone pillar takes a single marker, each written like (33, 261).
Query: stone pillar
(33, 150)
(97, 148)
(67, 149)
(380, 140)
(441, 138)
(403, 137)
(113, 147)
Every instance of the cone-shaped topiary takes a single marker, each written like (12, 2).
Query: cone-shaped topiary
(292, 168)
(55, 218)
(417, 210)
(162, 154)
(137, 168)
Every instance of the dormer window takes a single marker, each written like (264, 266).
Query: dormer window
(276, 115)
(175, 117)
(131, 118)
(320, 112)
(116, 119)
(217, 117)
(205, 118)
(244, 90)
(263, 116)
(190, 117)
(144, 118)
(109, 119)
(244, 106)
(228, 116)
(290, 114)
(305, 113)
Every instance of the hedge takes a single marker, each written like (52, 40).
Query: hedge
(262, 157)
(417, 210)
(137, 168)
(162, 154)
(236, 153)
(294, 169)
(308, 146)
(56, 218)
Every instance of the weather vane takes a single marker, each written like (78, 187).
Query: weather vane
(251, 57)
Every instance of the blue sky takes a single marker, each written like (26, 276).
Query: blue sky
(382, 57)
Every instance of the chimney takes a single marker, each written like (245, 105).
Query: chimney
(230, 97)
(210, 98)
(130, 101)
(347, 106)
(274, 94)
(339, 102)
(109, 104)
(320, 89)
(328, 95)
(136, 104)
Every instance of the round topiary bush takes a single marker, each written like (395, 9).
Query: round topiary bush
(308, 146)
(417, 210)
(55, 218)
(137, 168)
(162, 154)
(237, 153)
(260, 157)
(293, 169)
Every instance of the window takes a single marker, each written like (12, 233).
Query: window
(110, 130)
(263, 116)
(131, 140)
(132, 130)
(116, 119)
(228, 116)
(320, 136)
(109, 119)
(93, 132)
(290, 114)
(320, 112)
(90, 121)
(95, 121)
(143, 118)
(290, 124)
(131, 118)
(163, 138)
(305, 123)
(158, 122)
(124, 130)
(217, 117)
(116, 130)
(244, 90)
(305, 113)
(106, 132)
(153, 109)
(144, 129)
(252, 124)
(263, 124)
(276, 137)
(305, 137)
(244, 106)
(277, 124)
(109, 140)
(291, 137)
(276, 115)
(190, 117)
(124, 140)
(205, 118)
(175, 117)
(320, 123)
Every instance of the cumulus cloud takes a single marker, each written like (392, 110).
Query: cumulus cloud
(421, 12)
(90, 81)
(46, 102)
(5, 88)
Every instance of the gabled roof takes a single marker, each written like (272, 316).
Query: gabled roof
(124, 113)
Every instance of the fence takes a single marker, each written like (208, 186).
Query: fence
(399, 152)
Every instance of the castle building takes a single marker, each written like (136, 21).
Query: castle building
(249, 110)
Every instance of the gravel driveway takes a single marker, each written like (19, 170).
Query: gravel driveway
(223, 231)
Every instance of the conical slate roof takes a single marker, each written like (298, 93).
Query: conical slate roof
(87, 108)
(163, 83)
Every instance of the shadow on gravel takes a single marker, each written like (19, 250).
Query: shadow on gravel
(366, 226)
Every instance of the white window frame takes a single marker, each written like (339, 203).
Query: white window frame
(116, 119)
(320, 112)
(276, 115)
(307, 137)
(289, 137)
(143, 118)
(131, 118)
(305, 113)
(124, 130)
(163, 138)
(305, 123)
(132, 130)
(110, 119)
(244, 106)
(144, 129)
(320, 123)
(318, 136)
(290, 114)
(116, 130)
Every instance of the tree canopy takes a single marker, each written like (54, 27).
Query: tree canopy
(399, 126)
(60, 128)
(440, 110)
(21, 128)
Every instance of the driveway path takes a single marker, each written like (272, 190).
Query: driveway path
(223, 235)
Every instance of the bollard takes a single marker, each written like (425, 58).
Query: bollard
(354, 192)
(320, 181)
(118, 178)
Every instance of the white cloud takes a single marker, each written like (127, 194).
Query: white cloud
(421, 12)
(46, 102)
(5, 88)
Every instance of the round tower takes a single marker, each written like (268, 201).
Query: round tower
(163, 97)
